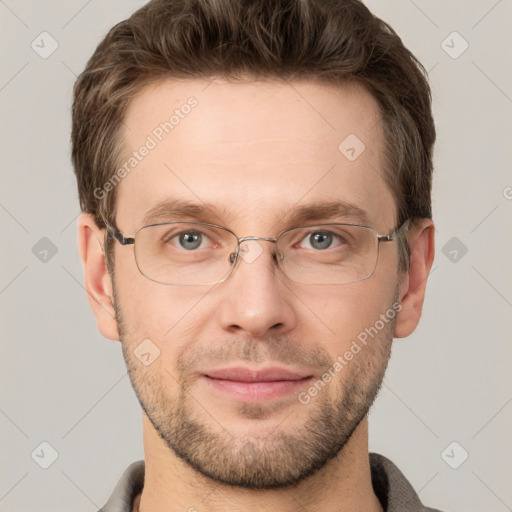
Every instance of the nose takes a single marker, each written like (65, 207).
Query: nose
(256, 300)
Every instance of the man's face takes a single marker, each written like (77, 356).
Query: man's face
(256, 151)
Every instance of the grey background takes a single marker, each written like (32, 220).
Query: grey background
(63, 383)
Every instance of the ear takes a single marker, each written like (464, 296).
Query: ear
(414, 281)
(97, 278)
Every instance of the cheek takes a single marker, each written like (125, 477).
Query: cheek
(345, 311)
(148, 306)
(168, 316)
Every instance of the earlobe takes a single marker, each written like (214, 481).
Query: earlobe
(97, 279)
(414, 282)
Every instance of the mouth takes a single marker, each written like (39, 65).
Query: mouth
(251, 385)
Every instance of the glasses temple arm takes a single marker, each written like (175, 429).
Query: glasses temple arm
(119, 237)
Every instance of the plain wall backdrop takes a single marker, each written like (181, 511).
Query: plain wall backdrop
(448, 390)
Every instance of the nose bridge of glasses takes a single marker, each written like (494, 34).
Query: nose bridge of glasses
(249, 255)
(266, 239)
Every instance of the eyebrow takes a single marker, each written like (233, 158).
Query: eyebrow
(179, 209)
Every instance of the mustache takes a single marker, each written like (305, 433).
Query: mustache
(278, 349)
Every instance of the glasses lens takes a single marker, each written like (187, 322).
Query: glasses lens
(184, 253)
(329, 253)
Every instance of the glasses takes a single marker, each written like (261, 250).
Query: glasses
(197, 253)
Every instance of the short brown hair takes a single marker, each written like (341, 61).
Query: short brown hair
(329, 41)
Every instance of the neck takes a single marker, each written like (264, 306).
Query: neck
(342, 485)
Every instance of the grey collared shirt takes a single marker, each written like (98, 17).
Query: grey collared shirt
(389, 484)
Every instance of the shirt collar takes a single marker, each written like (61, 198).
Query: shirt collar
(391, 487)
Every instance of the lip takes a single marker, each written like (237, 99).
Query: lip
(241, 374)
(245, 384)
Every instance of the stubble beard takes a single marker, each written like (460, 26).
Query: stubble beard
(281, 457)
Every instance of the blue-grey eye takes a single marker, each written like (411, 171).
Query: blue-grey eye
(320, 240)
(191, 240)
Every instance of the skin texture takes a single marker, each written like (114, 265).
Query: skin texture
(255, 150)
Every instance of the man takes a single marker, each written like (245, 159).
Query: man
(255, 179)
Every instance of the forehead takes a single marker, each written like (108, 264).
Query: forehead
(252, 151)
